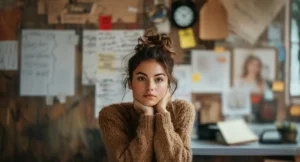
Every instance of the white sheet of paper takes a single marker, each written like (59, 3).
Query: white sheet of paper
(183, 75)
(250, 18)
(8, 55)
(236, 131)
(164, 27)
(104, 51)
(295, 81)
(236, 102)
(109, 90)
(213, 69)
(48, 63)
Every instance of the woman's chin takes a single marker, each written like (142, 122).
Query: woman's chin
(149, 103)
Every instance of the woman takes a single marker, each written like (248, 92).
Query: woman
(152, 128)
(251, 76)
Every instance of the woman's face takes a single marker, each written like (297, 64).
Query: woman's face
(149, 83)
(253, 67)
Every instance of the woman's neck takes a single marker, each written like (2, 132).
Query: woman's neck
(250, 77)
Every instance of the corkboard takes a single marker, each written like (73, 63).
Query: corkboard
(9, 23)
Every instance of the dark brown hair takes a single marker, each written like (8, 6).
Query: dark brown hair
(156, 47)
(250, 58)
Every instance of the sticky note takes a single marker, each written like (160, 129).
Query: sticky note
(187, 38)
(106, 62)
(219, 49)
(295, 111)
(278, 86)
(196, 77)
(105, 22)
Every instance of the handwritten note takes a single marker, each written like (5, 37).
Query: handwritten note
(211, 71)
(249, 19)
(106, 62)
(183, 75)
(109, 90)
(47, 66)
(8, 55)
(106, 51)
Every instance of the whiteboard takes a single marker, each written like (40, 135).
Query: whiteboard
(48, 62)
(106, 52)
(8, 55)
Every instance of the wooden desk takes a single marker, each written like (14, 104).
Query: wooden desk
(210, 148)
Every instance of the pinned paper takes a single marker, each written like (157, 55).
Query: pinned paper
(163, 27)
(132, 9)
(105, 23)
(61, 98)
(278, 86)
(186, 38)
(212, 68)
(49, 100)
(196, 77)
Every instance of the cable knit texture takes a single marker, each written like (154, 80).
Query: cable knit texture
(164, 137)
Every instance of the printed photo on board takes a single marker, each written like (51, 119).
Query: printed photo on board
(254, 69)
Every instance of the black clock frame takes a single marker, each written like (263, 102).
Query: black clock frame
(189, 4)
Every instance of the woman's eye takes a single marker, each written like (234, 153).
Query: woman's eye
(159, 79)
(141, 79)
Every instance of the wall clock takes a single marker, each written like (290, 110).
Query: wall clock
(183, 14)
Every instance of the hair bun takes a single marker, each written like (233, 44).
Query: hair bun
(159, 40)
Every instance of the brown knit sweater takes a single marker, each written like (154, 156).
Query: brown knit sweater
(163, 137)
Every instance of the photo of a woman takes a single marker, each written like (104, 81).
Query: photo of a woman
(252, 74)
(254, 69)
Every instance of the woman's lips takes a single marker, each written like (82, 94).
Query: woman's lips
(149, 96)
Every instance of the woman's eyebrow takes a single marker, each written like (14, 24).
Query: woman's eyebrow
(147, 75)
(141, 73)
(160, 74)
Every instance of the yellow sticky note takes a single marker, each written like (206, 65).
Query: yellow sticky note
(186, 38)
(278, 86)
(196, 77)
(295, 110)
(219, 49)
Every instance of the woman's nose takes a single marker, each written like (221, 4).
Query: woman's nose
(150, 85)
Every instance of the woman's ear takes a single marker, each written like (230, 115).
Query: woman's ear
(129, 85)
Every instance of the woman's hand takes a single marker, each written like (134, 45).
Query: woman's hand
(142, 109)
(161, 106)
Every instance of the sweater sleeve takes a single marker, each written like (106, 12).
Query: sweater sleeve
(118, 146)
(172, 141)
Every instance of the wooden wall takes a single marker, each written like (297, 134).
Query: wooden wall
(20, 115)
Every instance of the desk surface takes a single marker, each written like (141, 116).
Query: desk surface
(202, 147)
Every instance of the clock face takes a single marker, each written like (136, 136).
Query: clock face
(184, 16)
